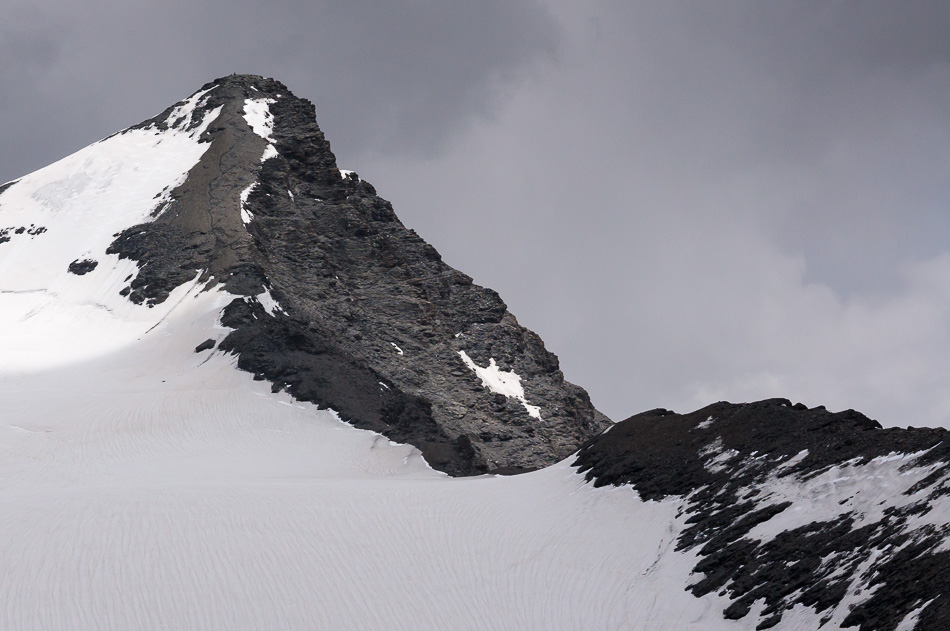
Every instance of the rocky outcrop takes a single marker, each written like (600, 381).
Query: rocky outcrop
(340, 304)
(790, 506)
(81, 267)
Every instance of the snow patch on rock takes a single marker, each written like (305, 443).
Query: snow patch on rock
(270, 305)
(269, 152)
(246, 215)
(258, 115)
(500, 381)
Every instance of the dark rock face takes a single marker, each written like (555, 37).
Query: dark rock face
(368, 319)
(4, 187)
(740, 467)
(6, 233)
(207, 345)
(82, 267)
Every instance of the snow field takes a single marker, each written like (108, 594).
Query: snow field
(144, 486)
(159, 488)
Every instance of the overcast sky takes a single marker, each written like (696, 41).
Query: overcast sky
(689, 201)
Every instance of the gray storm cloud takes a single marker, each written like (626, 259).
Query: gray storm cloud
(731, 200)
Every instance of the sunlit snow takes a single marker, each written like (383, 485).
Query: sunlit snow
(154, 488)
(258, 116)
(49, 316)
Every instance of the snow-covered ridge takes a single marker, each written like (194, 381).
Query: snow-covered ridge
(182, 116)
(76, 206)
(892, 497)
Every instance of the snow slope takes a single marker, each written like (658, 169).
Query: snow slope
(70, 211)
(158, 488)
(144, 485)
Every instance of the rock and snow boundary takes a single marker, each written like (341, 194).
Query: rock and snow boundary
(147, 486)
(146, 483)
(268, 210)
(790, 508)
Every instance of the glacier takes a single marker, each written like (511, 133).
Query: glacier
(148, 482)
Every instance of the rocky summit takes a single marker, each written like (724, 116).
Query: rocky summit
(358, 313)
(188, 309)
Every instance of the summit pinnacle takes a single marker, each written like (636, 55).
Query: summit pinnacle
(371, 322)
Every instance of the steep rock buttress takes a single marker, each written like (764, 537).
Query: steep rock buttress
(341, 305)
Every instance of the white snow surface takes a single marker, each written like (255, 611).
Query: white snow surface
(144, 486)
(47, 315)
(154, 488)
(500, 381)
(267, 301)
(246, 215)
(270, 151)
(258, 116)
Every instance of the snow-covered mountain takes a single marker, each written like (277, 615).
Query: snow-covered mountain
(237, 393)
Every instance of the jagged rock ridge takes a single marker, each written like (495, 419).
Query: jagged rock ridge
(790, 506)
(339, 304)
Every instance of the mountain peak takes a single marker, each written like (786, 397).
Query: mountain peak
(137, 274)
(333, 299)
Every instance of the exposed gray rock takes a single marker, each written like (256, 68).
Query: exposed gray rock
(725, 460)
(32, 230)
(82, 267)
(207, 345)
(371, 322)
